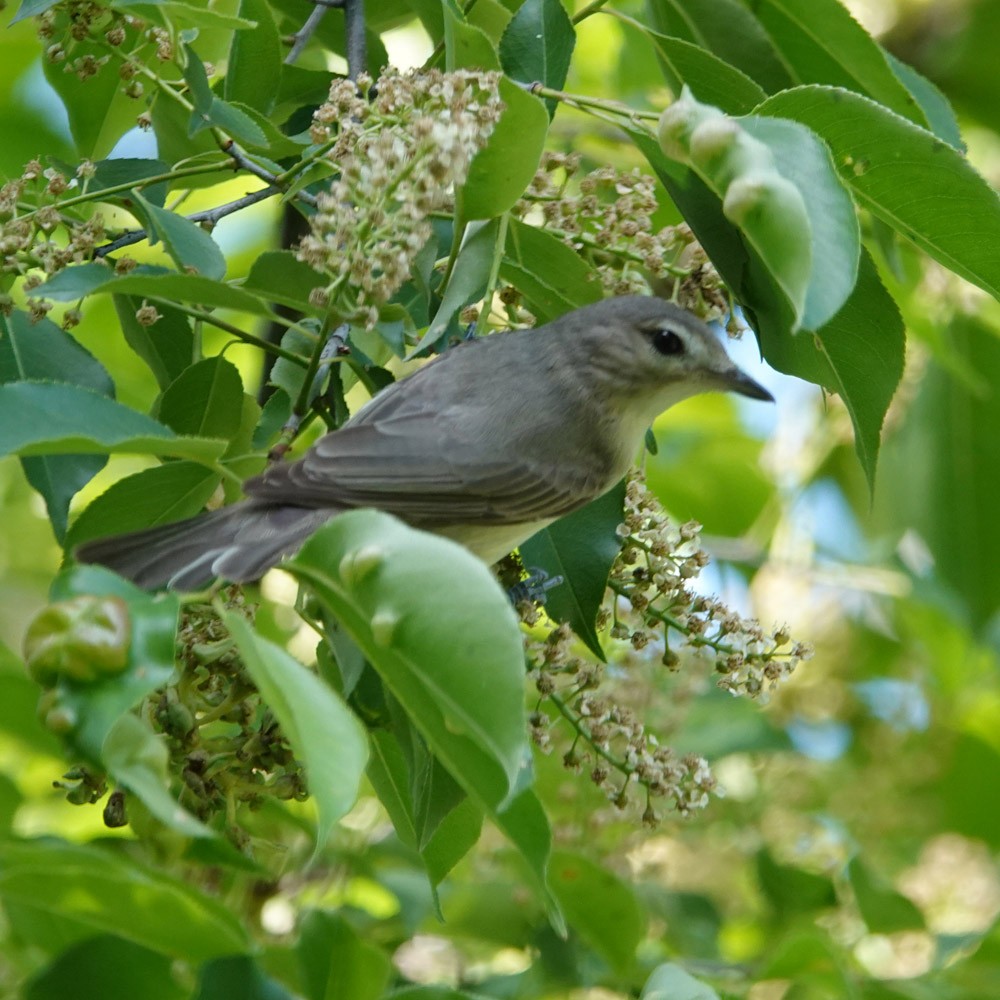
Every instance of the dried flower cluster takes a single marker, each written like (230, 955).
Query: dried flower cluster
(607, 217)
(36, 238)
(652, 615)
(399, 146)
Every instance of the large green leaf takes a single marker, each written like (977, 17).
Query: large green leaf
(51, 418)
(151, 282)
(942, 471)
(108, 893)
(41, 351)
(727, 29)
(883, 910)
(538, 44)
(336, 962)
(254, 69)
(901, 173)
(670, 982)
(822, 43)
(459, 675)
(189, 246)
(205, 400)
(708, 77)
(580, 548)
(94, 707)
(833, 222)
(465, 45)
(779, 188)
(468, 279)
(167, 346)
(501, 171)
(600, 906)
(325, 735)
(552, 278)
(165, 493)
(81, 971)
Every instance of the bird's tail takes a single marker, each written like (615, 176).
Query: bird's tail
(236, 543)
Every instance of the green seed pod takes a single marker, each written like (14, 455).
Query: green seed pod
(82, 639)
(678, 123)
(723, 152)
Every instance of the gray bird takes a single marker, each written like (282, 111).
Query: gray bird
(486, 444)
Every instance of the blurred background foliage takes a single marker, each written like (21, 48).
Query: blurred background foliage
(855, 851)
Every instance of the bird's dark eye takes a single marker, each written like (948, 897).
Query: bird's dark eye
(668, 342)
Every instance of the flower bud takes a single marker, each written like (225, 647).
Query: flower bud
(82, 639)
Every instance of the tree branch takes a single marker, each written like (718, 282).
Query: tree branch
(210, 215)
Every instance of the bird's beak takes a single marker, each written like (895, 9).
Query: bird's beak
(738, 381)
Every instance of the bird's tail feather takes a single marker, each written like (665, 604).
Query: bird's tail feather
(236, 543)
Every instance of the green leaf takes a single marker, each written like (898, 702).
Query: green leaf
(899, 172)
(466, 46)
(940, 477)
(204, 401)
(139, 760)
(580, 548)
(858, 355)
(935, 106)
(538, 44)
(32, 8)
(81, 971)
(387, 584)
(468, 279)
(336, 962)
(49, 418)
(110, 894)
(99, 113)
(833, 222)
(86, 279)
(160, 495)
(552, 278)
(278, 277)
(763, 301)
(167, 346)
(599, 906)
(237, 977)
(671, 982)
(189, 246)
(708, 469)
(325, 735)
(41, 351)
(76, 282)
(210, 110)
(187, 14)
(709, 78)
(130, 170)
(96, 706)
(883, 910)
(500, 173)
(822, 43)
(728, 30)
(791, 890)
(768, 209)
(454, 837)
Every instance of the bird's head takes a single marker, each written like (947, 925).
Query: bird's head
(646, 347)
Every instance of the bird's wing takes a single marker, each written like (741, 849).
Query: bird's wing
(430, 465)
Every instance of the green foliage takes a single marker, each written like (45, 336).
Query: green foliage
(297, 798)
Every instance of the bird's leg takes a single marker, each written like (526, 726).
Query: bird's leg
(533, 587)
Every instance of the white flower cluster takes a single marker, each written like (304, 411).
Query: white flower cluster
(649, 604)
(400, 146)
(651, 574)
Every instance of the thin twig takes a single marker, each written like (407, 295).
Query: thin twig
(302, 36)
(211, 216)
(591, 8)
(357, 46)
